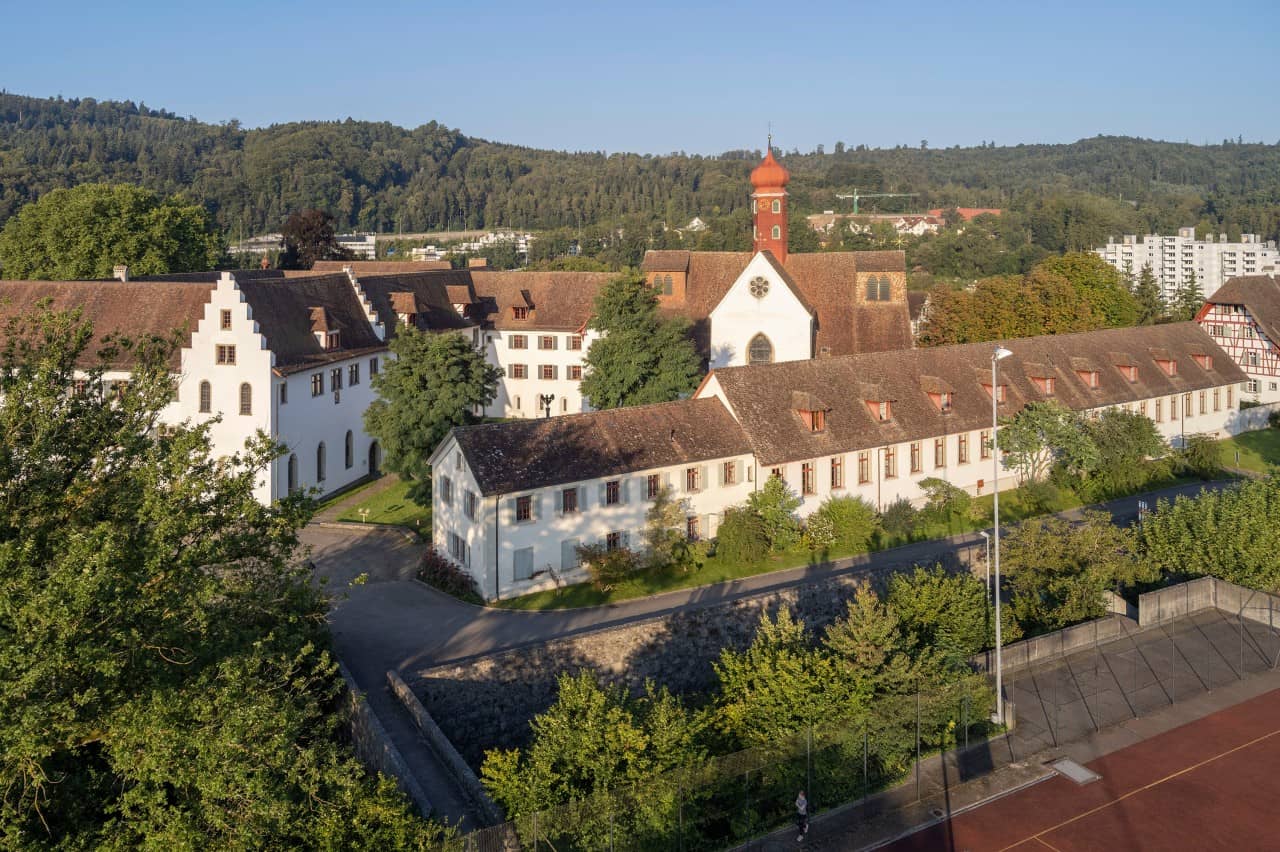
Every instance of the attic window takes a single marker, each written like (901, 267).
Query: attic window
(1205, 361)
(520, 312)
(1044, 384)
(1001, 391)
(812, 411)
(1089, 377)
(1169, 366)
(331, 341)
(1129, 371)
(814, 421)
(881, 410)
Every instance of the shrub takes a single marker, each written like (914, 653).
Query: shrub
(945, 501)
(1199, 457)
(819, 532)
(1040, 497)
(899, 518)
(853, 520)
(607, 568)
(1273, 420)
(441, 573)
(741, 537)
(776, 505)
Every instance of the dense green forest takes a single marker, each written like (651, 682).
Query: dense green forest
(375, 176)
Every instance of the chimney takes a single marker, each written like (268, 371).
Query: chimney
(120, 272)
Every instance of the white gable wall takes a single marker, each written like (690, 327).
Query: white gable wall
(779, 316)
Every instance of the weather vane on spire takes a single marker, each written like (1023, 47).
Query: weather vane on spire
(769, 150)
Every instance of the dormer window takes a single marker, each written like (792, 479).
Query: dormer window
(1001, 391)
(1044, 384)
(940, 393)
(1205, 361)
(408, 320)
(1169, 366)
(520, 312)
(1129, 371)
(881, 410)
(811, 410)
(331, 341)
(1090, 378)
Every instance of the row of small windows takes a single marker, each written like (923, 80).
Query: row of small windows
(663, 285)
(549, 372)
(349, 460)
(573, 342)
(776, 207)
(206, 398)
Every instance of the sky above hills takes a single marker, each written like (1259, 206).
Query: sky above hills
(662, 76)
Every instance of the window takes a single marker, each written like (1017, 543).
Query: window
(652, 485)
(518, 341)
(317, 384)
(206, 397)
(1169, 366)
(944, 402)
(1231, 396)
(864, 468)
(320, 462)
(1204, 402)
(884, 288)
(522, 563)
(612, 492)
(1000, 391)
(816, 420)
(373, 366)
(520, 312)
(1217, 399)
(284, 393)
(470, 503)
(457, 548)
(1044, 384)
(760, 350)
(519, 371)
(890, 463)
(915, 457)
(335, 378)
(778, 472)
(837, 472)
(547, 371)
(293, 474)
(962, 449)
(349, 451)
(666, 285)
(1142, 408)
(1205, 361)
(692, 479)
(777, 232)
(777, 205)
(1159, 410)
(353, 375)
(1089, 377)
(692, 529)
(331, 341)
(871, 289)
(246, 398)
(808, 481)
(1252, 386)
(613, 541)
(1253, 359)
(984, 444)
(446, 491)
(569, 501)
(729, 473)
(939, 452)
(1173, 408)
(225, 323)
(1129, 371)
(547, 341)
(881, 410)
(524, 509)
(575, 343)
(225, 354)
(575, 372)
(1186, 405)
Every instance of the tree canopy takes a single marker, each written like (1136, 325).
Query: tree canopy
(86, 231)
(168, 681)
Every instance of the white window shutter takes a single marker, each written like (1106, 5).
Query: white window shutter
(582, 498)
(604, 495)
(558, 503)
(720, 475)
(535, 507)
(624, 491)
(511, 511)
(666, 479)
(738, 466)
(626, 538)
(703, 481)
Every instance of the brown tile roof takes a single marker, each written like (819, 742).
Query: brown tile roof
(212, 276)
(378, 267)
(135, 309)
(425, 294)
(283, 309)
(665, 261)
(760, 396)
(1260, 294)
(520, 455)
(559, 301)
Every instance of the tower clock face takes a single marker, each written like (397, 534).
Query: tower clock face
(759, 286)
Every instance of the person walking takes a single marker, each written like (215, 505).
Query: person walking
(802, 816)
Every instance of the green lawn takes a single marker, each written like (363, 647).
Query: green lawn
(1258, 451)
(391, 506)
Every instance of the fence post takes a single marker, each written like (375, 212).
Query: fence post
(917, 741)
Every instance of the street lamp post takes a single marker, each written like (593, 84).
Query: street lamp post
(986, 537)
(999, 354)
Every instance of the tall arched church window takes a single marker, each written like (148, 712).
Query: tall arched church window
(760, 350)
(320, 462)
(777, 206)
(777, 232)
(246, 398)
(206, 397)
(884, 288)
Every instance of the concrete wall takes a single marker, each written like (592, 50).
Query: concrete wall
(1052, 646)
(1176, 601)
(373, 747)
(1251, 419)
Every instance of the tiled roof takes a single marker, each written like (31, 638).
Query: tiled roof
(559, 301)
(519, 455)
(760, 396)
(283, 309)
(425, 294)
(134, 309)
(665, 261)
(379, 267)
(1260, 294)
(212, 276)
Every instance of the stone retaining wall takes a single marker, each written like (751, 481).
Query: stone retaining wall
(373, 746)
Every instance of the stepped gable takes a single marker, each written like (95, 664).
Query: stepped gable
(379, 267)
(521, 455)
(1260, 294)
(134, 309)
(557, 301)
(760, 396)
(283, 310)
(432, 292)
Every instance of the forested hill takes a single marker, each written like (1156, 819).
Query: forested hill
(375, 176)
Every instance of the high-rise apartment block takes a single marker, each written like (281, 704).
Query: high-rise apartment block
(1175, 259)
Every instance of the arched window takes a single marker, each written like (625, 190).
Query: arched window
(320, 462)
(760, 350)
(777, 206)
(246, 398)
(666, 285)
(350, 455)
(206, 397)
(777, 232)
(293, 473)
(871, 289)
(884, 288)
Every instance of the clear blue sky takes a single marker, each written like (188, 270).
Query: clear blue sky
(665, 76)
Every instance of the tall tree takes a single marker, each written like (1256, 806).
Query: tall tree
(308, 237)
(167, 681)
(1146, 292)
(1100, 282)
(1043, 434)
(86, 231)
(1189, 299)
(434, 382)
(641, 357)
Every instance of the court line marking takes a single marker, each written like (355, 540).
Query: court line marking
(1047, 843)
(1169, 777)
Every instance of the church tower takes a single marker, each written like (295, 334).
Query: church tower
(769, 206)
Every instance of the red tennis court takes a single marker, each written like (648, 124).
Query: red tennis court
(1211, 784)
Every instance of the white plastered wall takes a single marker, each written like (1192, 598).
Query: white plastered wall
(778, 315)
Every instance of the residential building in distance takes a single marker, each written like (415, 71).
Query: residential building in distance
(361, 246)
(1243, 317)
(1174, 259)
(511, 501)
(967, 214)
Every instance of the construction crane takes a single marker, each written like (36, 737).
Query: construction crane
(858, 195)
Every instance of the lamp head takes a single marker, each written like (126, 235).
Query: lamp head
(984, 534)
(1000, 354)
